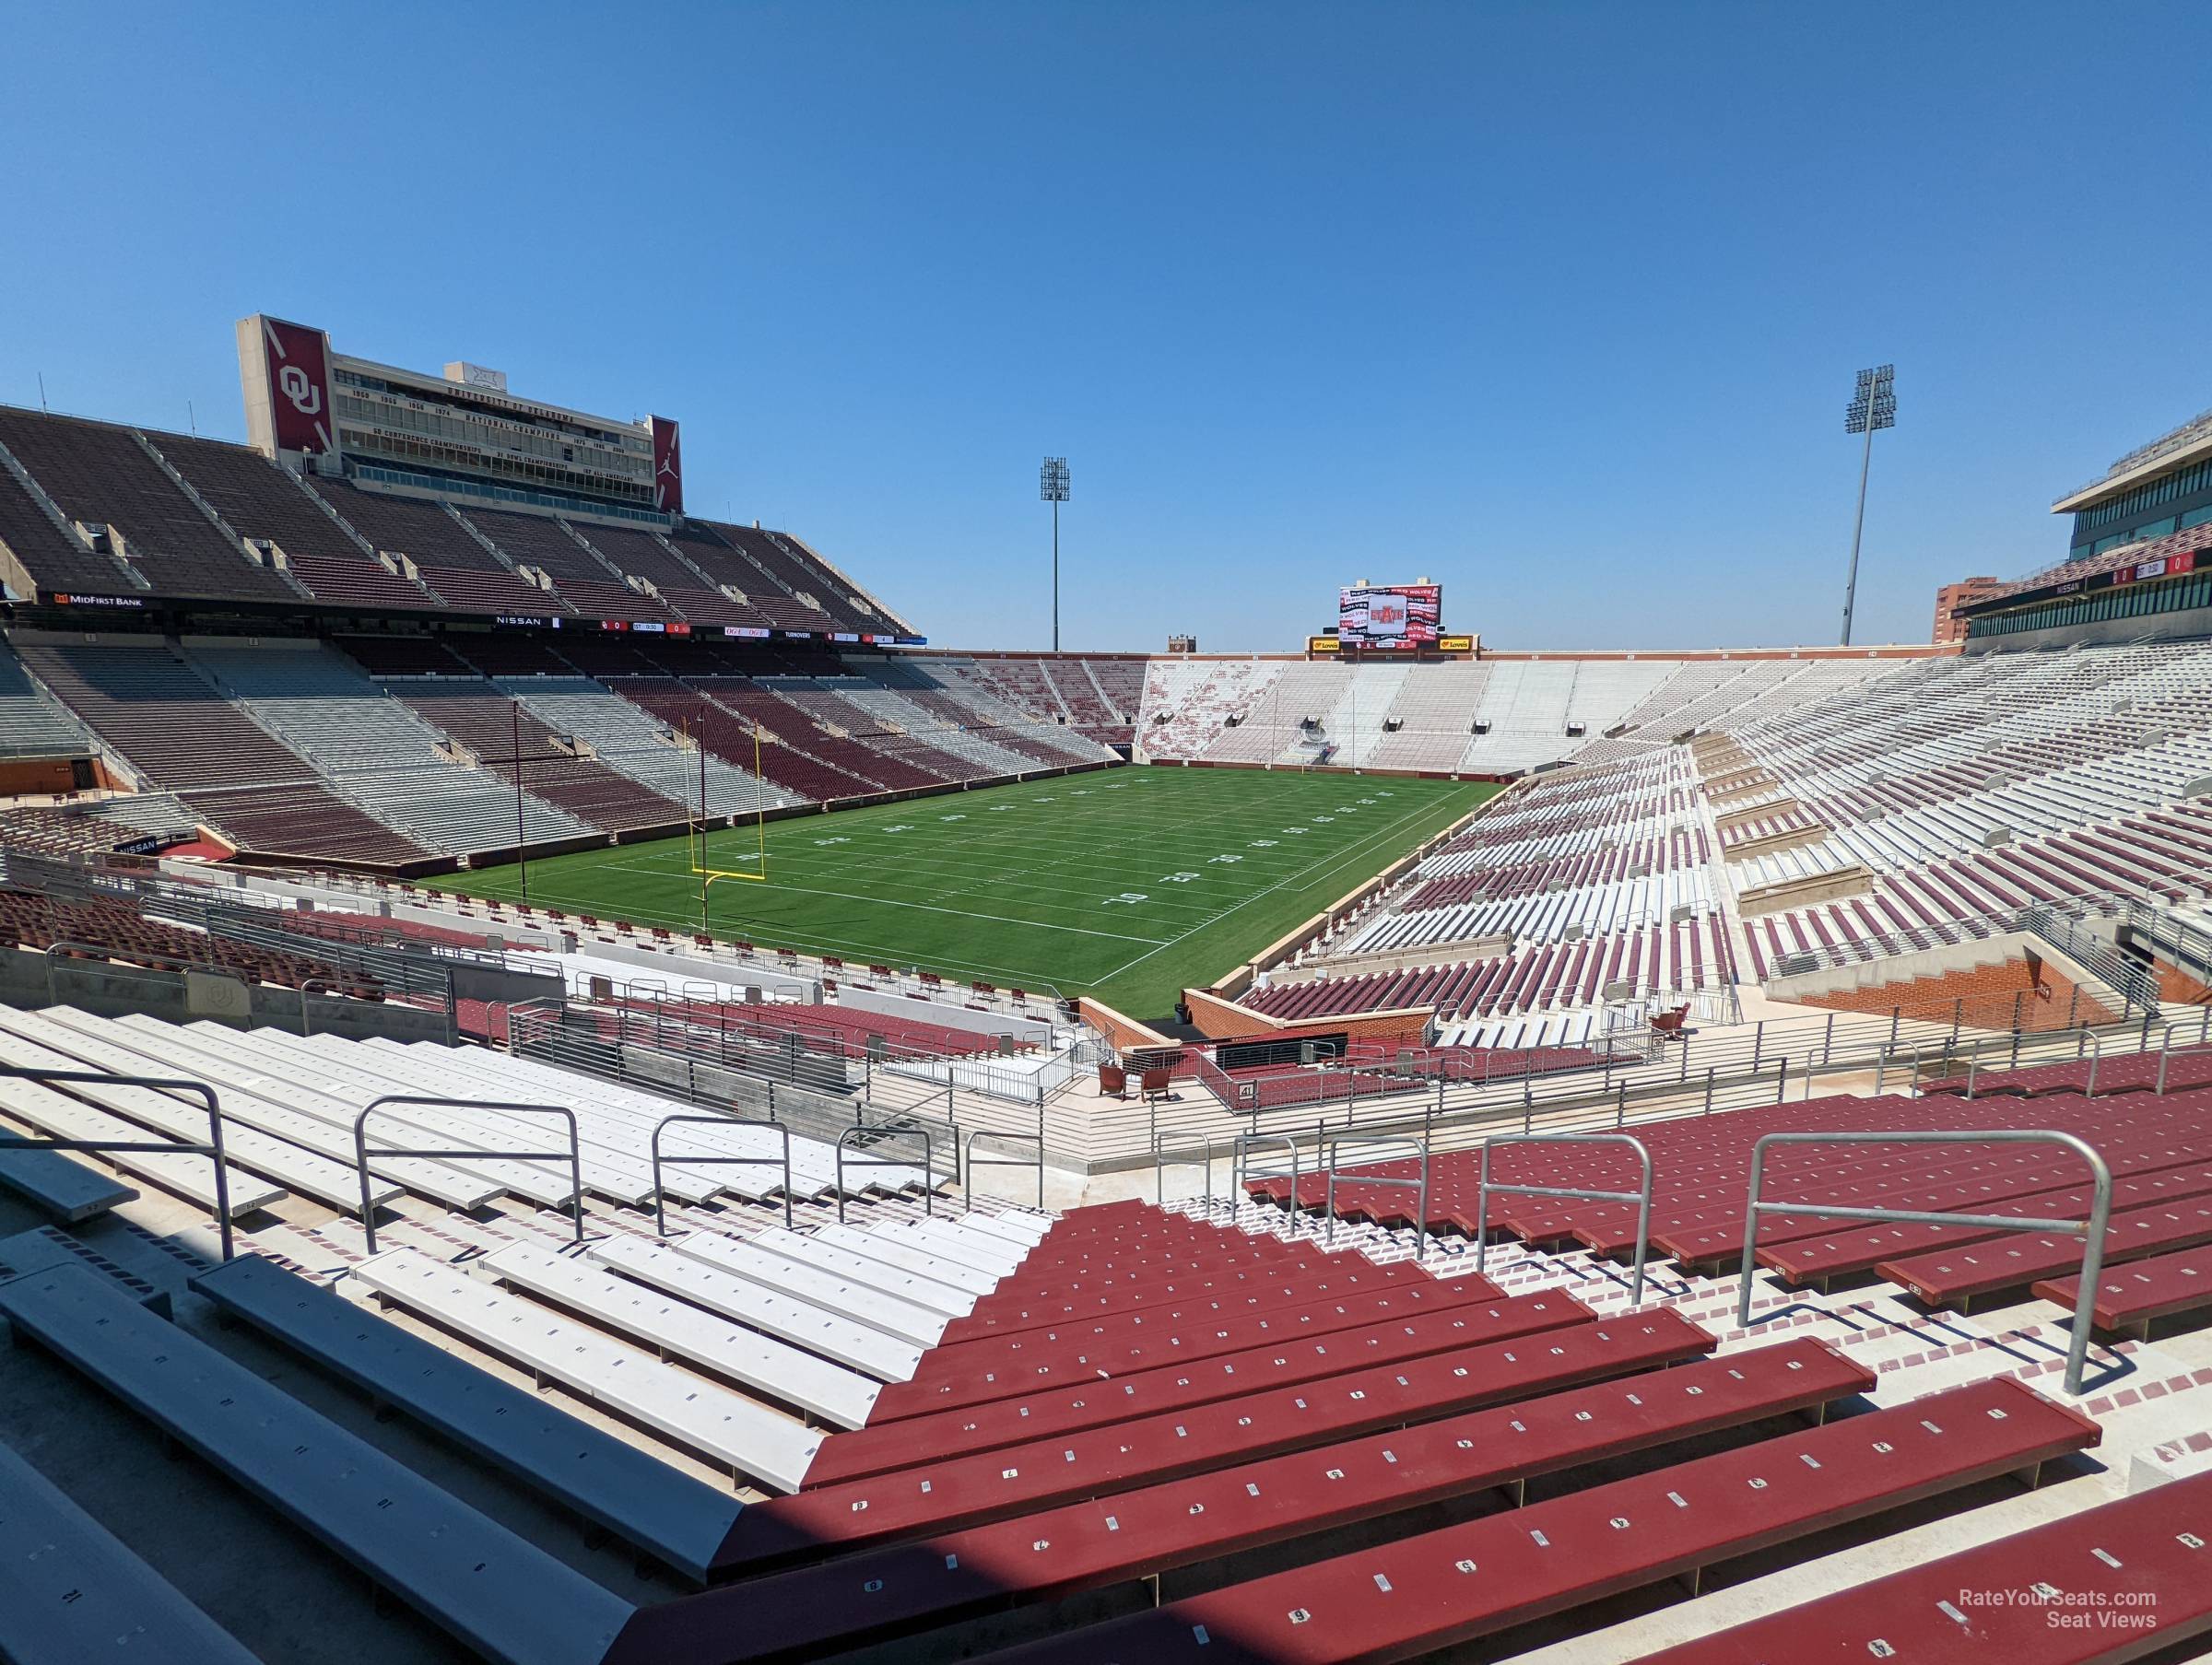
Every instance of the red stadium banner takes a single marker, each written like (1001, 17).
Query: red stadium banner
(299, 405)
(667, 465)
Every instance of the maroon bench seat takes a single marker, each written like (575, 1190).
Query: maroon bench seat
(958, 1491)
(810, 1612)
(1952, 1277)
(918, 1439)
(1107, 1298)
(2129, 1578)
(1045, 1364)
(2133, 1294)
(1296, 1288)
(1813, 1259)
(1449, 1587)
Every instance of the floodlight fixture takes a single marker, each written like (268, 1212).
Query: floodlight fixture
(1052, 486)
(1873, 407)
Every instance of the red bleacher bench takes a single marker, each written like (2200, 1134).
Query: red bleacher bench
(930, 979)
(983, 989)
(875, 1450)
(831, 961)
(2130, 1296)
(818, 1610)
(700, 939)
(2114, 1582)
(876, 970)
(1447, 1587)
(951, 1491)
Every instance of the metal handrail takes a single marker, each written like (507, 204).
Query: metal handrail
(1161, 1161)
(361, 1148)
(111, 954)
(660, 1198)
(2090, 1231)
(1420, 1184)
(858, 1131)
(1641, 1196)
(984, 1133)
(214, 1148)
(306, 989)
(1239, 1172)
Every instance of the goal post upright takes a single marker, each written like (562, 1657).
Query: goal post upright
(699, 845)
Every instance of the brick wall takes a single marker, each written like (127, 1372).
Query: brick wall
(2027, 988)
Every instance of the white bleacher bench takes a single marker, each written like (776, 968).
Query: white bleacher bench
(188, 1176)
(678, 1330)
(604, 1479)
(70, 1594)
(740, 1434)
(962, 1247)
(28, 1040)
(544, 1183)
(805, 1282)
(908, 1254)
(497, 1593)
(276, 1103)
(821, 1248)
(816, 1329)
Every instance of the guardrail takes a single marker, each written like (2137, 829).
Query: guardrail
(973, 1161)
(169, 1147)
(660, 1197)
(360, 1147)
(1641, 1196)
(852, 1135)
(1162, 1160)
(1420, 1183)
(2091, 1231)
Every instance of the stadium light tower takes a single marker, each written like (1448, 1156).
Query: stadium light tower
(1873, 407)
(1052, 486)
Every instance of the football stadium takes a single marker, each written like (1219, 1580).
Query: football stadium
(585, 1081)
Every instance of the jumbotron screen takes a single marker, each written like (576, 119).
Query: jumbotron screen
(1390, 615)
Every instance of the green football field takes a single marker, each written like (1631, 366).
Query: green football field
(1128, 884)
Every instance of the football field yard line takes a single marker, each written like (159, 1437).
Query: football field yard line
(1129, 886)
(1312, 871)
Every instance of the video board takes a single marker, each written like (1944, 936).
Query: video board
(1390, 615)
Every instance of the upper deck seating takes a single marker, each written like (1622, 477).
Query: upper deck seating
(263, 502)
(100, 473)
(54, 559)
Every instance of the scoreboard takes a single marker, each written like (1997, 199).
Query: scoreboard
(1390, 615)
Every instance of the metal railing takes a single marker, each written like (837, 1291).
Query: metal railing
(2090, 1231)
(361, 1148)
(168, 1147)
(660, 1197)
(974, 1162)
(1418, 1184)
(1641, 1196)
(1241, 1166)
(1164, 1158)
(852, 1135)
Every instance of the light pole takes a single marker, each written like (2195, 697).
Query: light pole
(1872, 407)
(1052, 486)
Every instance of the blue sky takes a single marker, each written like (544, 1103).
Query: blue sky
(1557, 304)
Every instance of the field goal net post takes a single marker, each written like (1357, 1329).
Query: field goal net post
(702, 825)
